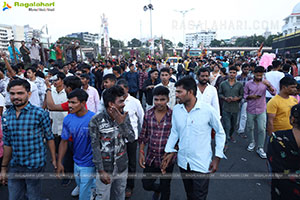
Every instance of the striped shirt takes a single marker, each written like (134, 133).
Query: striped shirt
(26, 135)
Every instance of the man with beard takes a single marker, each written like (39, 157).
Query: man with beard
(109, 130)
(25, 127)
(206, 92)
(192, 122)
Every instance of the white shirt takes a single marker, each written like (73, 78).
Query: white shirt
(58, 117)
(69, 74)
(35, 51)
(193, 131)
(34, 97)
(107, 71)
(172, 94)
(274, 77)
(209, 96)
(135, 113)
(93, 102)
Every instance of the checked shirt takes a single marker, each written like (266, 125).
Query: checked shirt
(26, 135)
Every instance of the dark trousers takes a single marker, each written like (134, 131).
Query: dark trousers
(196, 188)
(68, 161)
(141, 94)
(131, 152)
(164, 184)
(57, 140)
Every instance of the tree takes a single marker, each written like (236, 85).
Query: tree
(215, 43)
(134, 43)
(180, 44)
(67, 40)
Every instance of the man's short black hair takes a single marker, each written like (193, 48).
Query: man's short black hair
(253, 64)
(32, 69)
(233, 68)
(60, 75)
(73, 82)
(86, 76)
(161, 90)
(153, 70)
(287, 81)
(111, 77)
(117, 69)
(123, 82)
(188, 83)
(245, 65)
(286, 67)
(276, 64)
(259, 69)
(80, 94)
(165, 69)
(203, 69)
(110, 95)
(19, 82)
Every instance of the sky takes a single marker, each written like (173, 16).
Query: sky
(127, 19)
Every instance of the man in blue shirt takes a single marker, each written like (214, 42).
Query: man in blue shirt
(192, 122)
(14, 53)
(76, 125)
(25, 127)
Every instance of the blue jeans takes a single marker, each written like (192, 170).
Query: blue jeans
(85, 180)
(261, 128)
(22, 189)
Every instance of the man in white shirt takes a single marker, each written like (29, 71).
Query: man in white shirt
(108, 69)
(34, 52)
(192, 122)
(274, 78)
(40, 83)
(165, 76)
(59, 96)
(136, 116)
(206, 92)
(93, 102)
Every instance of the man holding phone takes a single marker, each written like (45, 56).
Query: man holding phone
(255, 95)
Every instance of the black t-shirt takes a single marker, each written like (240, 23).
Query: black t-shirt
(284, 158)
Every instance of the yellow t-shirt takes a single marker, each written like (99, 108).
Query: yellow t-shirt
(282, 109)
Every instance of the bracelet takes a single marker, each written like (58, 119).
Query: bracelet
(141, 151)
(3, 165)
(48, 89)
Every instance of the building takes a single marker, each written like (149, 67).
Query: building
(85, 36)
(30, 33)
(200, 38)
(6, 34)
(292, 22)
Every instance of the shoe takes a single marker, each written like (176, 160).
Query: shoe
(65, 182)
(128, 192)
(232, 140)
(260, 151)
(155, 196)
(251, 146)
(243, 135)
(75, 192)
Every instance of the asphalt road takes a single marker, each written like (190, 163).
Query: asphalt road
(239, 160)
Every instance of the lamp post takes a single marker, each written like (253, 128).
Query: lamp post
(183, 12)
(150, 8)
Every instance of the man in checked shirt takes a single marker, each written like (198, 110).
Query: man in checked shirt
(155, 132)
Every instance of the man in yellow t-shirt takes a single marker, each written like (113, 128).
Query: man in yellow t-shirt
(279, 107)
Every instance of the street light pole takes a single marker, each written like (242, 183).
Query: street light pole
(150, 7)
(183, 12)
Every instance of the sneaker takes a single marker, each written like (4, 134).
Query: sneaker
(232, 140)
(75, 192)
(251, 146)
(260, 151)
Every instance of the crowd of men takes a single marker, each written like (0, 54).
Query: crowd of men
(96, 117)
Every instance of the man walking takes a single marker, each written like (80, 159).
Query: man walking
(25, 127)
(192, 122)
(109, 130)
(254, 93)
